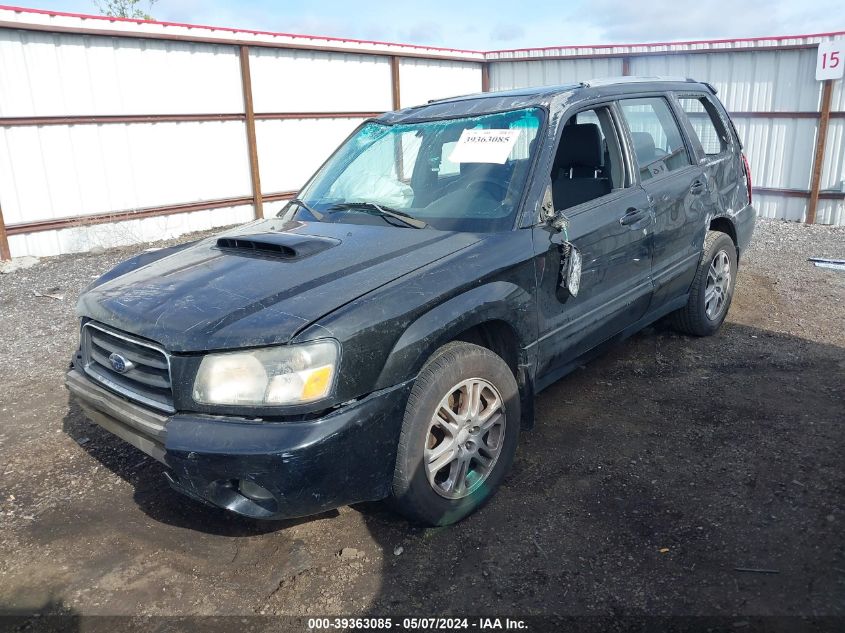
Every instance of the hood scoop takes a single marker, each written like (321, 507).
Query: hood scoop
(287, 246)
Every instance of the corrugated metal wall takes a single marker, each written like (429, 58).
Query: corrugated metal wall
(73, 169)
(197, 152)
(756, 82)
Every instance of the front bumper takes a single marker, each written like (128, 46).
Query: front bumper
(307, 467)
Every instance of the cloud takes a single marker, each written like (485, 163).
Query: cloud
(667, 20)
(507, 32)
(427, 32)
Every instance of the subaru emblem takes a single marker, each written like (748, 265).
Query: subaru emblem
(119, 363)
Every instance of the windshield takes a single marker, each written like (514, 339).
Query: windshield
(464, 174)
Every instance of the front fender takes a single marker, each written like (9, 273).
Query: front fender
(494, 301)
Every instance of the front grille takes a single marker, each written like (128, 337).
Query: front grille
(146, 367)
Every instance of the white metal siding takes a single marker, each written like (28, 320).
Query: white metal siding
(61, 171)
(757, 81)
(307, 81)
(421, 80)
(52, 74)
(84, 238)
(506, 76)
(291, 150)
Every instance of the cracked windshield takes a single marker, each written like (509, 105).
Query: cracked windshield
(465, 174)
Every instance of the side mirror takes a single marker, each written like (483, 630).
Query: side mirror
(570, 260)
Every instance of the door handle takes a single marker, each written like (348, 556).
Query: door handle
(697, 187)
(632, 215)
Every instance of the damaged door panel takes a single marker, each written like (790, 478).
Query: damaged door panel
(384, 335)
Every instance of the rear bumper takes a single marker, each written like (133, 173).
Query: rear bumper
(744, 222)
(305, 467)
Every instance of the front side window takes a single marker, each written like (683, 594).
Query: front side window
(588, 162)
(706, 124)
(658, 144)
(462, 174)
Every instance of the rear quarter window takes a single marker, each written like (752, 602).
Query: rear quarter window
(706, 123)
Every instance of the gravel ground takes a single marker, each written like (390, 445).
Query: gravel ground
(653, 474)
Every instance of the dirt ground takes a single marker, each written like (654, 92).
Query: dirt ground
(654, 475)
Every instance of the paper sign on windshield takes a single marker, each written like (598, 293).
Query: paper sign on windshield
(484, 146)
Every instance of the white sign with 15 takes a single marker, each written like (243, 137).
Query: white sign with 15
(831, 60)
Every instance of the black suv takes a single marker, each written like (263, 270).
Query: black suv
(385, 334)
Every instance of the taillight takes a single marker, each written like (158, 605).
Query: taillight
(747, 175)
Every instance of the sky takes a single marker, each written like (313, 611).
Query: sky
(502, 24)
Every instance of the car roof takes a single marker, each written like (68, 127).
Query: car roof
(486, 102)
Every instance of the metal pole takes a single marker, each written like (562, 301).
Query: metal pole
(252, 145)
(818, 159)
(485, 77)
(394, 83)
(5, 253)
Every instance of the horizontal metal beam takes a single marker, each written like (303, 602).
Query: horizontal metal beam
(172, 118)
(784, 115)
(316, 115)
(137, 214)
(799, 193)
(235, 40)
(107, 119)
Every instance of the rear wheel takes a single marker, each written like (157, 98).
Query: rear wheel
(459, 435)
(712, 288)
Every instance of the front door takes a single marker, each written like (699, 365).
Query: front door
(610, 222)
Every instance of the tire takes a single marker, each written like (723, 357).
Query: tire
(704, 313)
(455, 375)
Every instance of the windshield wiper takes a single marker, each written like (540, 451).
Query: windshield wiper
(301, 203)
(370, 207)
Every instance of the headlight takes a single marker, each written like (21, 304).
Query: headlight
(293, 374)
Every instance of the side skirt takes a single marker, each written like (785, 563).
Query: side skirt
(544, 381)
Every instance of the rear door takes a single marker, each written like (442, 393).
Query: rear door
(609, 220)
(676, 188)
(717, 150)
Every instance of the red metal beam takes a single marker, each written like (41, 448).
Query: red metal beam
(694, 51)
(799, 193)
(135, 214)
(171, 118)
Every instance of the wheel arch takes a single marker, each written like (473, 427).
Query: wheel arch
(723, 224)
(495, 315)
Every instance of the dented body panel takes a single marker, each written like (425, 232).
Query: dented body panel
(391, 296)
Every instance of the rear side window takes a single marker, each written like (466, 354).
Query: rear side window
(658, 144)
(706, 123)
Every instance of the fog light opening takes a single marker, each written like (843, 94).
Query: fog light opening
(253, 491)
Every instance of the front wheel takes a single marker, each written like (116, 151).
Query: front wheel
(712, 288)
(459, 435)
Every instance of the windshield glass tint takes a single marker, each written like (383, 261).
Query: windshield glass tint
(464, 174)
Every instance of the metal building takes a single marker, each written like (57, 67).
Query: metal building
(123, 131)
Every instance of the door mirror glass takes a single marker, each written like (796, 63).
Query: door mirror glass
(572, 269)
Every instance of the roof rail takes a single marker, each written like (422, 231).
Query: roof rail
(607, 81)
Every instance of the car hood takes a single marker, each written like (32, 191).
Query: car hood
(259, 284)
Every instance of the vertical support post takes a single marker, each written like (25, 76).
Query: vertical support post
(485, 76)
(5, 253)
(394, 83)
(626, 66)
(396, 100)
(818, 159)
(252, 145)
